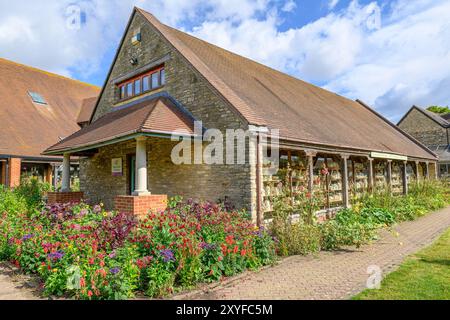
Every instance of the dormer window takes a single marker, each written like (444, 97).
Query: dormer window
(143, 83)
(37, 98)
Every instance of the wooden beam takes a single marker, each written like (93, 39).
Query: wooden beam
(389, 175)
(259, 182)
(405, 177)
(371, 179)
(345, 195)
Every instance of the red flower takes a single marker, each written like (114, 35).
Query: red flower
(89, 293)
(229, 239)
(243, 252)
(236, 249)
(220, 258)
(82, 282)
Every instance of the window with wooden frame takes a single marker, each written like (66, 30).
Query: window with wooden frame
(142, 83)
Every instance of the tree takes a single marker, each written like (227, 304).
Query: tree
(439, 110)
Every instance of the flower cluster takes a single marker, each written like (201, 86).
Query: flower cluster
(89, 253)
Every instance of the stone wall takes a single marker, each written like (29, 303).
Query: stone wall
(194, 93)
(424, 129)
(200, 182)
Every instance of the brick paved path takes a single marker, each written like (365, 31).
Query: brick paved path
(331, 275)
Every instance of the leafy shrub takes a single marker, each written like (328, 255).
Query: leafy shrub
(88, 253)
(355, 226)
(33, 191)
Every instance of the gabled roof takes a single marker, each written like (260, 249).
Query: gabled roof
(27, 128)
(443, 152)
(87, 107)
(303, 112)
(441, 120)
(157, 116)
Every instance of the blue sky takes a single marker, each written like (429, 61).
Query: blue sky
(388, 53)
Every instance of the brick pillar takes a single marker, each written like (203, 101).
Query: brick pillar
(14, 172)
(140, 205)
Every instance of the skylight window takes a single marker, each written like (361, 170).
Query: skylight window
(36, 97)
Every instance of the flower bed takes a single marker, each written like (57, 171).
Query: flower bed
(89, 253)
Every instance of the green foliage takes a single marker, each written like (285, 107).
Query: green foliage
(355, 226)
(88, 253)
(439, 110)
(33, 191)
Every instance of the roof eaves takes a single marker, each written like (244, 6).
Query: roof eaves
(436, 118)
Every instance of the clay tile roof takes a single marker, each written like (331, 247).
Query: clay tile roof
(158, 115)
(28, 128)
(86, 110)
(301, 111)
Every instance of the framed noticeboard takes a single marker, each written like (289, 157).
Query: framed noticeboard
(116, 166)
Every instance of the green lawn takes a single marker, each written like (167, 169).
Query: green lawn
(422, 276)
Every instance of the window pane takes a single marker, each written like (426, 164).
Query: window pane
(163, 77)
(155, 80)
(146, 83)
(137, 86)
(36, 97)
(122, 92)
(130, 89)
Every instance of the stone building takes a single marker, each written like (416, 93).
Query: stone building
(163, 80)
(432, 130)
(37, 109)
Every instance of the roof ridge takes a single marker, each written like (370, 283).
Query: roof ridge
(155, 102)
(220, 86)
(48, 73)
(284, 74)
(436, 117)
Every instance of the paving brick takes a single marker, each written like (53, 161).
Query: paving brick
(331, 275)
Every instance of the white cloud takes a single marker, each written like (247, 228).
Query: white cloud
(289, 6)
(390, 61)
(332, 4)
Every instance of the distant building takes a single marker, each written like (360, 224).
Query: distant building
(432, 130)
(37, 109)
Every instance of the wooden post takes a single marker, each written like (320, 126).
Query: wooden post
(371, 183)
(405, 178)
(436, 168)
(417, 171)
(259, 182)
(389, 175)
(345, 195)
(427, 175)
(310, 155)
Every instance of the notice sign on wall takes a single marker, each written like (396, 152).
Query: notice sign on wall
(116, 166)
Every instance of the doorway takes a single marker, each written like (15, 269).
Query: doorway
(132, 173)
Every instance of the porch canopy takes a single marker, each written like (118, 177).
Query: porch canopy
(154, 117)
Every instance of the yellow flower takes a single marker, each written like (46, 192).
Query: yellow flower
(101, 204)
(55, 270)
(105, 214)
